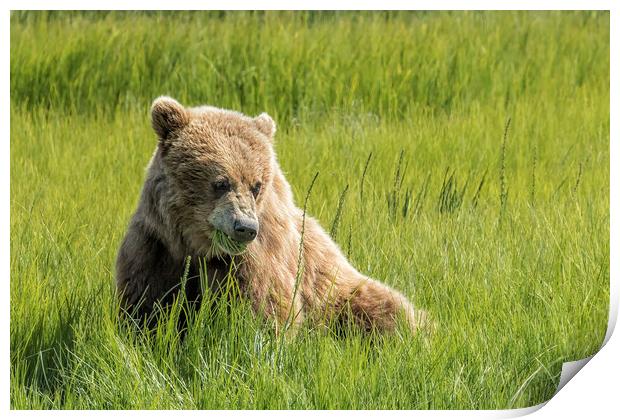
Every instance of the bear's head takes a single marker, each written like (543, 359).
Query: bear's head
(220, 166)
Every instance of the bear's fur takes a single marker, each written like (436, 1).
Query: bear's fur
(216, 169)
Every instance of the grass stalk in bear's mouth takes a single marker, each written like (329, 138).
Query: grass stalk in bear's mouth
(221, 243)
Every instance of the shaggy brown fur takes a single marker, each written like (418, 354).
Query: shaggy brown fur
(216, 169)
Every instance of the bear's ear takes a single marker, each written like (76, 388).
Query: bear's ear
(168, 116)
(265, 125)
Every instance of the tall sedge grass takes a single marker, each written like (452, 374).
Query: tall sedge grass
(403, 115)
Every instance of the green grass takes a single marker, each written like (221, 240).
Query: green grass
(504, 239)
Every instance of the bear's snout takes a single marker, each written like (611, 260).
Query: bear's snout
(245, 229)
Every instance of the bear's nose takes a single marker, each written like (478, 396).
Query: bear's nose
(245, 230)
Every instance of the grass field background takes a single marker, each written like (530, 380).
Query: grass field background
(503, 239)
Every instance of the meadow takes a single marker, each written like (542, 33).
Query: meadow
(462, 158)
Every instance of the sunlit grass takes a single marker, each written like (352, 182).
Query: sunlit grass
(504, 239)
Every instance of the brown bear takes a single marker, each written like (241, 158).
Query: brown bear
(214, 191)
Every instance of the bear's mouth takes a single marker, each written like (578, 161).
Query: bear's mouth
(221, 243)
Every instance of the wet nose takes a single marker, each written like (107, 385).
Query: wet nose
(245, 230)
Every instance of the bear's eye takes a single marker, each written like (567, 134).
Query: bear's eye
(256, 189)
(221, 186)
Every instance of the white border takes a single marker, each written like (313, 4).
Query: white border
(594, 390)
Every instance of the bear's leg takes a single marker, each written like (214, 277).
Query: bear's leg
(375, 306)
(334, 289)
(277, 302)
(146, 274)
